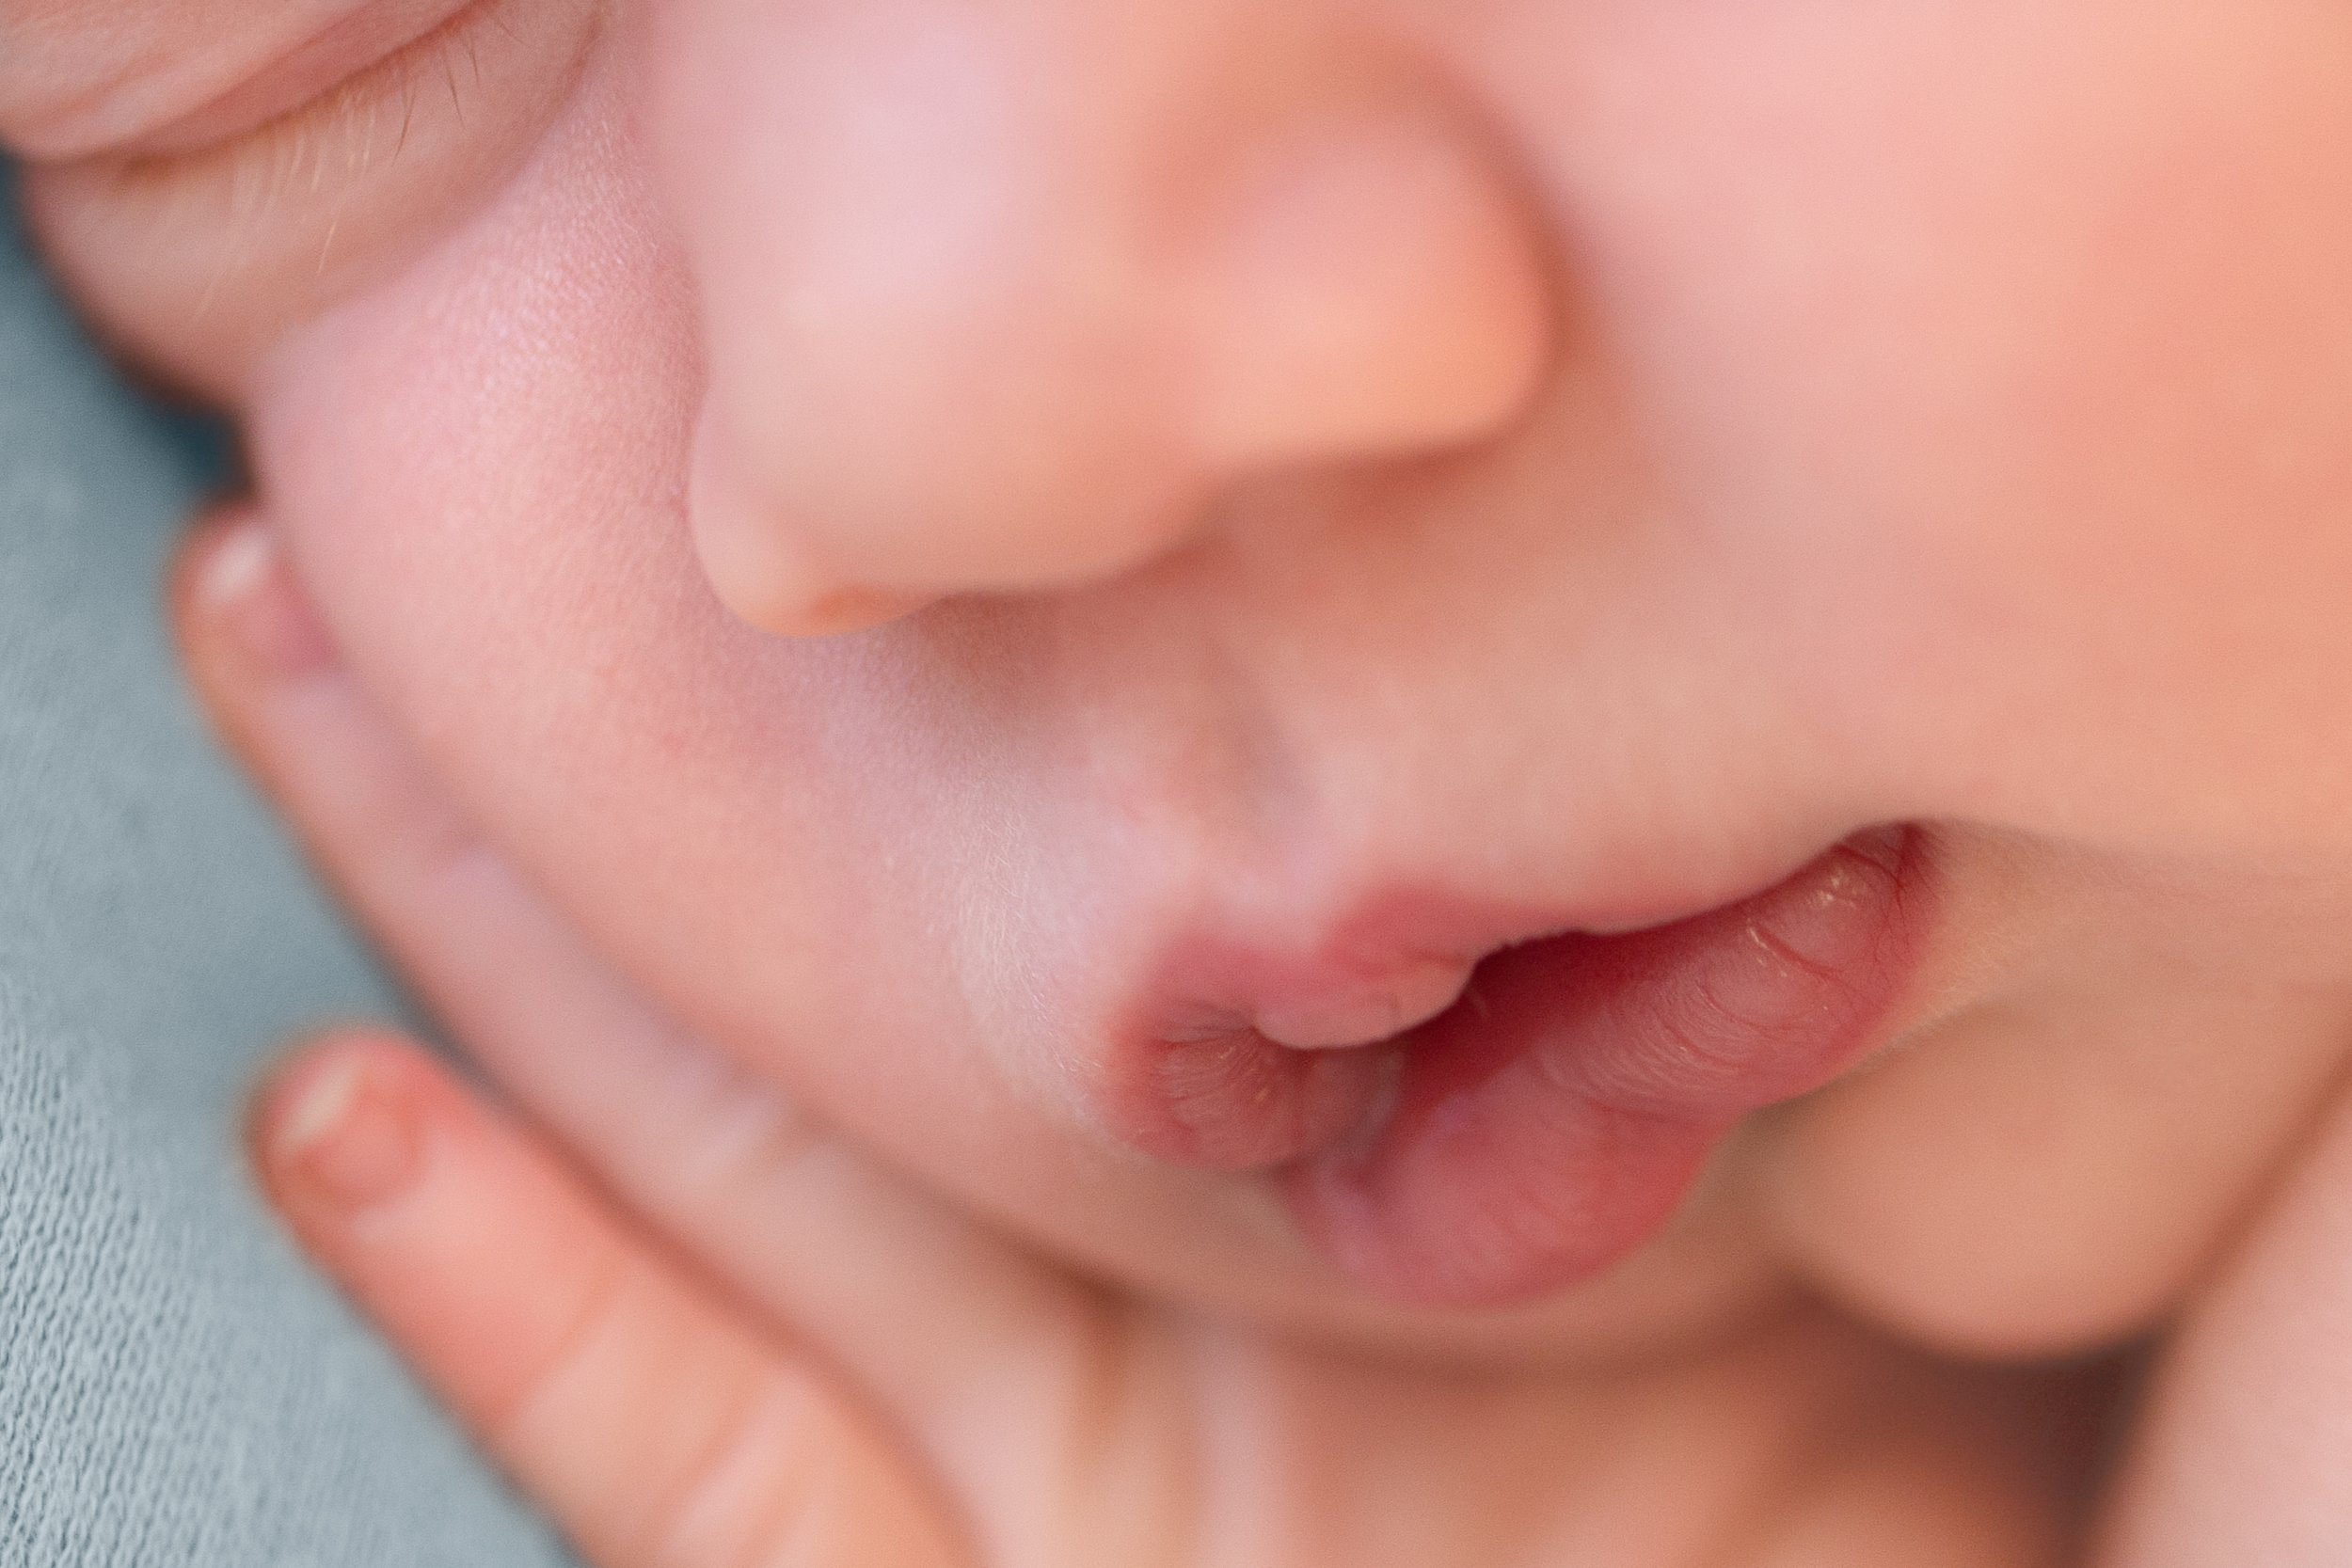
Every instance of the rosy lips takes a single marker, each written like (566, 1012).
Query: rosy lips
(1551, 1120)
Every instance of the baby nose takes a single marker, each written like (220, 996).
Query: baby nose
(1003, 297)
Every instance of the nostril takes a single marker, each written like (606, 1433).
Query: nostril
(850, 609)
(993, 305)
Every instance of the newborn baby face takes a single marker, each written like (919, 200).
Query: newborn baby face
(1580, 657)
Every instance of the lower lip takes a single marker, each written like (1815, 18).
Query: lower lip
(1551, 1120)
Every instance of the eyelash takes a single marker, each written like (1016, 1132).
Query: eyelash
(285, 219)
(261, 166)
(306, 135)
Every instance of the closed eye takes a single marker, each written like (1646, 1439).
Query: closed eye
(371, 115)
(196, 258)
(344, 136)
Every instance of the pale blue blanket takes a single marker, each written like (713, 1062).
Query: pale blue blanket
(175, 1387)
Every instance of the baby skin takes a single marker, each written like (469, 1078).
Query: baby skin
(1277, 783)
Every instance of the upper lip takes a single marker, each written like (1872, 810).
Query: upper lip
(1393, 962)
(1389, 959)
(1195, 1070)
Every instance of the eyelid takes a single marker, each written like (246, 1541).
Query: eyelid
(343, 95)
(177, 76)
(346, 136)
(361, 41)
(348, 100)
(199, 260)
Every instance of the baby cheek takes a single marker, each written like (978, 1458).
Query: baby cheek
(479, 463)
(1981, 339)
(2031, 1182)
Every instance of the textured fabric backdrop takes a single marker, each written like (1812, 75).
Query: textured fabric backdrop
(175, 1390)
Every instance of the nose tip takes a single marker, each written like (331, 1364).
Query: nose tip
(761, 568)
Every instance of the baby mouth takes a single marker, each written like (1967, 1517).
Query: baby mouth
(1470, 1135)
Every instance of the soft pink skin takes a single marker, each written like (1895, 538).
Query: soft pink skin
(1936, 416)
(1551, 1123)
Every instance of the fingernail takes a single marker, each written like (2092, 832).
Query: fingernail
(244, 583)
(346, 1138)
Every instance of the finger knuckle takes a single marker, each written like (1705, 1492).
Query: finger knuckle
(541, 1386)
(748, 1494)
